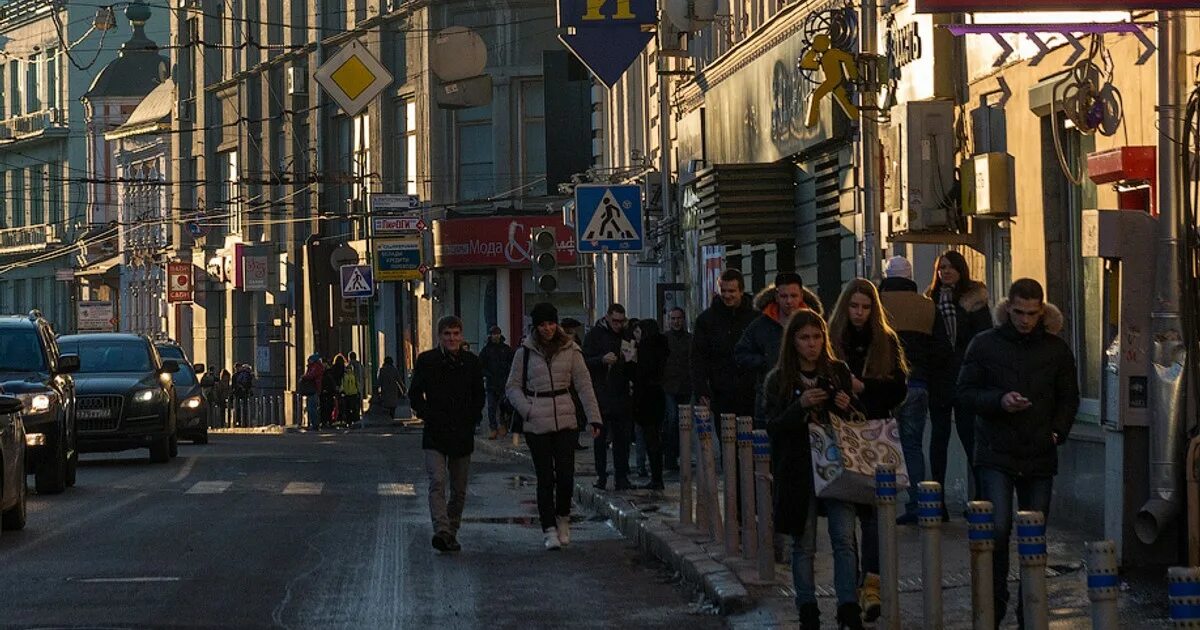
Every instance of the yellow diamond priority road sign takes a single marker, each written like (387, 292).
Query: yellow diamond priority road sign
(353, 77)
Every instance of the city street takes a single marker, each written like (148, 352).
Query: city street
(314, 530)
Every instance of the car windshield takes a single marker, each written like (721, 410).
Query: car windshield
(185, 377)
(109, 356)
(20, 351)
(170, 352)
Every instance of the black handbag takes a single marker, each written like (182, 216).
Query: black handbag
(516, 422)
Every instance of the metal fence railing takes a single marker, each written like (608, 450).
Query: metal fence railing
(260, 410)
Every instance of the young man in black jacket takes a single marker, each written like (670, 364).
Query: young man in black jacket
(611, 380)
(716, 380)
(447, 394)
(1021, 382)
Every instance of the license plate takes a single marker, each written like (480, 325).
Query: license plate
(94, 414)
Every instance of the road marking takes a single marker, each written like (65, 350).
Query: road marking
(209, 487)
(185, 471)
(397, 490)
(127, 580)
(303, 487)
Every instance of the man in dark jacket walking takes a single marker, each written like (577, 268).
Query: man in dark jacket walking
(497, 358)
(716, 381)
(611, 379)
(1020, 381)
(447, 394)
(676, 382)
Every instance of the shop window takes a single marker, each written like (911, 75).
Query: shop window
(475, 302)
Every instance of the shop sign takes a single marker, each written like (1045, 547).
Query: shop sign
(399, 225)
(255, 273)
(179, 282)
(920, 54)
(95, 316)
(398, 259)
(496, 241)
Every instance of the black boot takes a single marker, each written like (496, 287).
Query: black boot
(810, 617)
(849, 616)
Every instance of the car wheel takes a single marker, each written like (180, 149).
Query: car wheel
(51, 473)
(160, 451)
(14, 517)
(174, 446)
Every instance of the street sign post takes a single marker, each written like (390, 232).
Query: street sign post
(179, 282)
(609, 219)
(357, 281)
(389, 202)
(342, 256)
(398, 259)
(398, 225)
(353, 77)
(606, 36)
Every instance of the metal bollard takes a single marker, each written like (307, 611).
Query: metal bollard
(981, 520)
(729, 457)
(1184, 596)
(701, 415)
(716, 528)
(1103, 583)
(685, 465)
(745, 466)
(765, 507)
(1031, 547)
(889, 557)
(929, 514)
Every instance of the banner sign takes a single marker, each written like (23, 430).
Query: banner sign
(398, 259)
(606, 35)
(496, 241)
(179, 282)
(255, 273)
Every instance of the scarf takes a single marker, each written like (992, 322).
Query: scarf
(946, 307)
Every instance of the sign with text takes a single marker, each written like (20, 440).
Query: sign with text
(255, 273)
(179, 282)
(606, 35)
(95, 316)
(398, 259)
(496, 241)
(394, 202)
(398, 225)
(972, 6)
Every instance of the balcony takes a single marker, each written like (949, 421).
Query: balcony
(30, 238)
(36, 123)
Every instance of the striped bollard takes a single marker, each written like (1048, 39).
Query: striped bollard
(889, 557)
(745, 466)
(685, 465)
(981, 523)
(701, 415)
(1103, 583)
(1031, 547)
(729, 457)
(929, 515)
(1184, 593)
(712, 499)
(765, 507)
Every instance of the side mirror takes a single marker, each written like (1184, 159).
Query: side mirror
(68, 363)
(170, 366)
(198, 368)
(10, 405)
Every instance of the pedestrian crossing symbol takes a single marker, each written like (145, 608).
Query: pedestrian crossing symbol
(610, 218)
(357, 281)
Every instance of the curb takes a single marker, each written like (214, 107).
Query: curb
(655, 537)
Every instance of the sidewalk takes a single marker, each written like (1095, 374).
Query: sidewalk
(651, 520)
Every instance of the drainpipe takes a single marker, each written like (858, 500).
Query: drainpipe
(1170, 352)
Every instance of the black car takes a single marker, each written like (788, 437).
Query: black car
(33, 370)
(124, 393)
(192, 415)
(12, 464)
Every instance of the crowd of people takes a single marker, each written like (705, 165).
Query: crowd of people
(334, 391)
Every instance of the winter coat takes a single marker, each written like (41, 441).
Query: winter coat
(714, 373)
(315, 374)
(360, 374)
(497, 359)
(390, 385)
(758, 349)
(545, 400)
(331, 380)
(649, 402)
(676, 378)
(447, 394)
(911, 315)
(1039, 366)
(611, 383)
(791, 451)
(880, 396)
(973, 318)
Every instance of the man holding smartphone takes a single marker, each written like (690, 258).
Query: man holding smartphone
(1021, 381)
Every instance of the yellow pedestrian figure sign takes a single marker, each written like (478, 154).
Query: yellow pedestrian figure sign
(838, 66)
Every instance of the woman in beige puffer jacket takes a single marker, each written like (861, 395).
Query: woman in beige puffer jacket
(544, 370)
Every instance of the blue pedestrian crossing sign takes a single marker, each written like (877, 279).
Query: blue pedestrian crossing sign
(609, 219)
(358, 281)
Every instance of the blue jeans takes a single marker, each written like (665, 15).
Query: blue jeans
(844, 540)
(911, 418)
(1032, 494)
(313, 406)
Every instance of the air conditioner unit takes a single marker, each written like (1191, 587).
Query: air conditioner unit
(919, 150)
(297, 81)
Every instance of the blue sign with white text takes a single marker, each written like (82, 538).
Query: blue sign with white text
(609, 219)
(606, 35)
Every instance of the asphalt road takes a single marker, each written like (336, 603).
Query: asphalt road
(323, 530)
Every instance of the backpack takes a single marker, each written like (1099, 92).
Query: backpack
(350, 383)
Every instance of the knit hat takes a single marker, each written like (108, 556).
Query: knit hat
(495, 330)
(544, 312)
(898, 267)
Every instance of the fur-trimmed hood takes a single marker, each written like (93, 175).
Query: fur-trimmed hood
(766, 297)
(1052, 319)
(974, 298)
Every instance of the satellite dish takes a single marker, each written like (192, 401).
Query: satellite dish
(689, 16)
(458, 53)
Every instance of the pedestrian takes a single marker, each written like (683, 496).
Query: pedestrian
(677, 385)
(222, 392)
(351, 398)
(806, 385)
(862, 338)
(389, 387)
(911, 315)
(497, 358)
(310, 388)
(447, 394)
(331, 390)
(243, 387)
(539, 386)
(962, 313)
(574, 329)
(716, 380)
(758, 349)
(649, 399)
(605, 351)
(1020, 381)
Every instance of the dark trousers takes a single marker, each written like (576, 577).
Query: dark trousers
(618, 428)
(939, 442)
(328, 404)
(554, 463)
(653, 435)
(493, 408)
(671, 430)
(1033, 493)
(352, 408)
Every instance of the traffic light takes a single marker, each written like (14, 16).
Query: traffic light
(545, 259)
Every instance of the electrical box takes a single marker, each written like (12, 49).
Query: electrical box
(919, 155)
(297, 80)
(993, 189)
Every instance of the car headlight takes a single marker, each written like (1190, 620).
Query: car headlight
(38, 403)
(191, 403)
(145, 396)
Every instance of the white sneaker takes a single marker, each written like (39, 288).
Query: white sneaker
(552, 543)
(564, 530)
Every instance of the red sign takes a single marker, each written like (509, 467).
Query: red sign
(179, 282)
(496, 241)
(971, 6)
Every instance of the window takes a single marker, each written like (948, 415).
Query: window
(14, 88)
(37, 199)
(361, 162)
(410, 133)
(3, 101)
(20, 298)
(533, 136)
(275, 22)
(17, 186)
(4, 219)
(231, 194)
(476, 168)
(33, 85)
(51, 70)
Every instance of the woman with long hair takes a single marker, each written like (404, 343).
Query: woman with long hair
(806, 385)
(649, 400)
(544, 371)
(962, 312)
(331, 390)
(862, 337)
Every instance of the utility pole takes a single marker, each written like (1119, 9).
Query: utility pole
(868, 167)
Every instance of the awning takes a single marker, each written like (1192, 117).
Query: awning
(746, 203)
